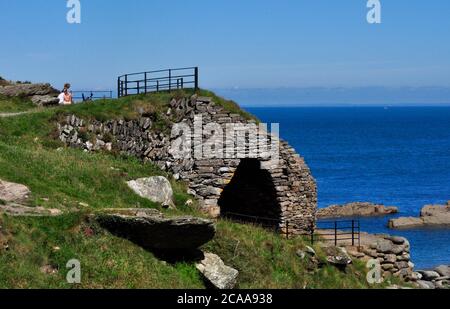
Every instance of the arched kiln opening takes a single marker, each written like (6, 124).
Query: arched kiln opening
(251, 196)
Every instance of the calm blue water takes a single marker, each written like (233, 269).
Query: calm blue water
(397, 156)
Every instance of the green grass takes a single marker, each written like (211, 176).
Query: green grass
(14, 105)
(154, 105)
(70, 179)
(106, 261)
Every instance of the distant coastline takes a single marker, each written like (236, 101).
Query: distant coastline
(338, 96)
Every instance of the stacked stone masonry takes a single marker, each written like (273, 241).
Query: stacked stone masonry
(290, 179)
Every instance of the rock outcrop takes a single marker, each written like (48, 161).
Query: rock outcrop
(430, 216)
(439, 278)
(285, 192)
(356, 210)
(157, 189)
(17, 210)
(150, 229)
(217, 273)
(14, 198)
(39, 94)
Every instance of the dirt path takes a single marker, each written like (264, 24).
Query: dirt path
(5, 115)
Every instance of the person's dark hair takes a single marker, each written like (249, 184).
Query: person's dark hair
(66, 86)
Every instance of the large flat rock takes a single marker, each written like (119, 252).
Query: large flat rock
(150, 229)
(356, 210)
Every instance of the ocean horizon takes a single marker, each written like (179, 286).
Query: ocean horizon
(396, 156)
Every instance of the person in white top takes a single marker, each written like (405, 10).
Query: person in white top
(61, 98)
(65, 97)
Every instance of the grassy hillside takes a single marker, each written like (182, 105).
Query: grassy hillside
(12, 105)
(80, 183)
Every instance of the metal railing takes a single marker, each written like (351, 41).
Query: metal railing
(155, 81)
(338, 231)
(91, 95)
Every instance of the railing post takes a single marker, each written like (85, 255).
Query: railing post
(196, 78)
(170, 80)
(138, 87)
(145, 76)
(126, 85)
(335, 233)
(359, 234)
(118, 88)
(353, 233)
(182, 83)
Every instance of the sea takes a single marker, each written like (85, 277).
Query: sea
(396, 156)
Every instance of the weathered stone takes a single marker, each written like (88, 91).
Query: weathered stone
(27, 90)
(402, 265)
(44, 100)
(310, 251)
(442, 284)
(409, 222)
(426, 285)
(356, 210)
(443, 270)
(150, 229)
(157, 189)
(431, 215)
(13, 192)
(429, 275)
(337, 256)
(387, 267)
(17, 210)
(217, 273)
(390, 258)
(397, 240)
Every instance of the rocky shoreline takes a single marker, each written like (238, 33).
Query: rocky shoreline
(430, 216)
(358, 209)
(438, 278)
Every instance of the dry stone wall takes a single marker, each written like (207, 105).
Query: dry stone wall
(293, 193)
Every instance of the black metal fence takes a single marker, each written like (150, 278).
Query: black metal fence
(338, 231)
(155, 81)
(91, 95)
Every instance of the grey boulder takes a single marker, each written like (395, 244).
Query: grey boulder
(156, 189)
(13, 192)
(429, 275)
(337, 256)
(44, 100)
(426, 285)
(217, 273)
(443, 270)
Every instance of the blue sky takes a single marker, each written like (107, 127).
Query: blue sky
(236, 43)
